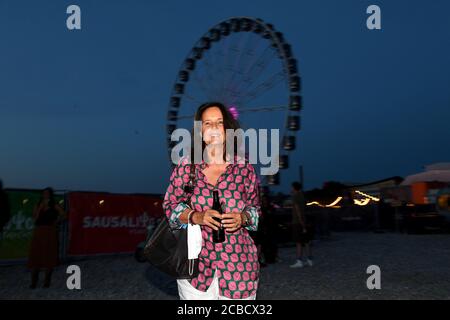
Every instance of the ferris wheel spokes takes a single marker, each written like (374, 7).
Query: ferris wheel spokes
(270, 83)
(257, 68)
(238, 62)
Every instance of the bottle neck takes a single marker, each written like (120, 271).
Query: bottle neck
(216, 196)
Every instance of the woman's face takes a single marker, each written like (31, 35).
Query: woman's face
(46, 195)
(213, 131)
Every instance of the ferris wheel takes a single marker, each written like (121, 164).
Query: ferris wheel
(246, 64)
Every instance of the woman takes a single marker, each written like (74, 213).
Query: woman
(228, 270)
(44, 245)
(5, 209)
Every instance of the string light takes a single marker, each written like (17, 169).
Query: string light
(363, 202)
(367, 195)
(333, 204)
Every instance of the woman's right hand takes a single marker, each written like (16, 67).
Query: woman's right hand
(206, 218)
(40, 207)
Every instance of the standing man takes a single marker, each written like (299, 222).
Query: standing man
(302, 232)
(5, 213)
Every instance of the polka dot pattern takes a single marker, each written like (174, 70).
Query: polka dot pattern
(235, 259)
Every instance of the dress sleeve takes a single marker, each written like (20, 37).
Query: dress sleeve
(253, 207)
(175, 199)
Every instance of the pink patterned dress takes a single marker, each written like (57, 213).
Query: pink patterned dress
(236, 259)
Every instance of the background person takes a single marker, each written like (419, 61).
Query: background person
(302, 230)
(44, 244)
(5, 209)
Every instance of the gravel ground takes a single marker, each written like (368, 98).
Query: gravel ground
(412, 267)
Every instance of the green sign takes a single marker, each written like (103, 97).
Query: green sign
(17, 234)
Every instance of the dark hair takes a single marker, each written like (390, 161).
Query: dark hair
(297, 186)
(228, 123)
(51, 202)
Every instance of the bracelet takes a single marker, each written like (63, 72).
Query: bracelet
(245, 223)
(190, 215)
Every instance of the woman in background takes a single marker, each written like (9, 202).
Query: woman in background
(44, 244)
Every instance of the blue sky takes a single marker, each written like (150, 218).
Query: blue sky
(86, 109)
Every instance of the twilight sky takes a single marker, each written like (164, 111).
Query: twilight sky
(86, 109)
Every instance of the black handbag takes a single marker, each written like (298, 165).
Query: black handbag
(167, 248)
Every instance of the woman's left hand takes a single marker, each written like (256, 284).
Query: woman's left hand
(232, 221)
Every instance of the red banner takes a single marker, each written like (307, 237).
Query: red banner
(109, 223)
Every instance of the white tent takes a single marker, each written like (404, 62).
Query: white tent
(434, 172)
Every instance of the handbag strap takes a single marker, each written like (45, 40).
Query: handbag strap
(189, 188)
(192, 173)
